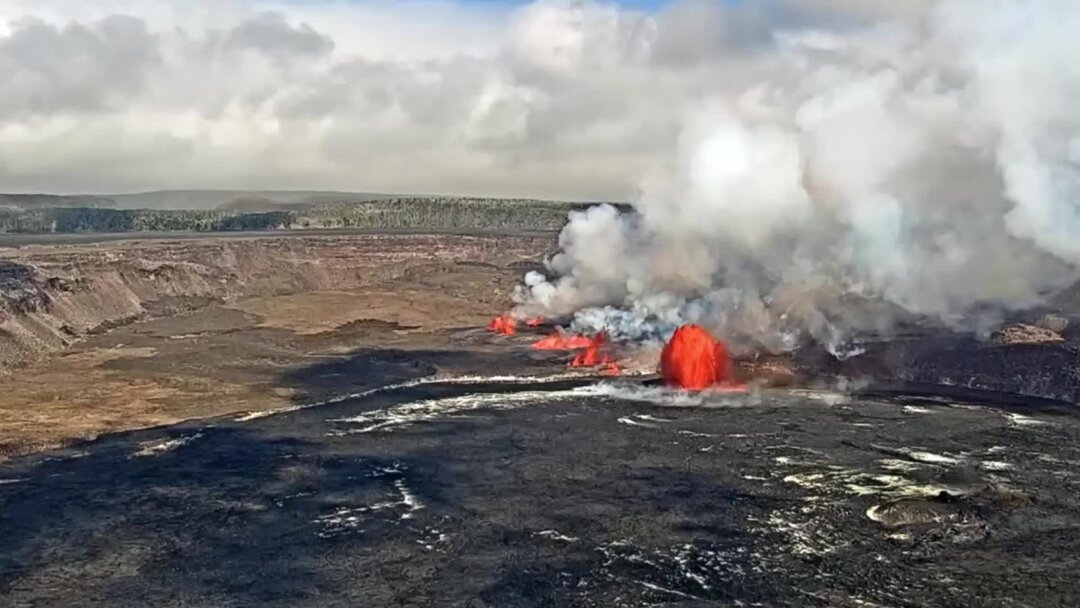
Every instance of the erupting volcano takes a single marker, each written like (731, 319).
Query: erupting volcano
(694, 360)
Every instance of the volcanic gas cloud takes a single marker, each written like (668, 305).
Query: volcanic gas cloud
(927, 165)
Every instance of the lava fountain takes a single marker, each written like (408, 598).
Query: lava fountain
(694, 360)
(504, 325)
(593, 356)
(590, 354)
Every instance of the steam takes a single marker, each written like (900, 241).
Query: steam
(923, 166)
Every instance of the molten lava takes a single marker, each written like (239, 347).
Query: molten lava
(694, 360)
(611, 369)
(504, 325)
(561, 341)
(591, 356)
(535, 322)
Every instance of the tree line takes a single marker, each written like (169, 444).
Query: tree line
(435, 213)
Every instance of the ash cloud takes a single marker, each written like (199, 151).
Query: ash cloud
(919, 163)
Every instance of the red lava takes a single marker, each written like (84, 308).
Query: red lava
(504, 325)
(535, 322)
(611, 369)
(694, 360)
(561, 341)
(591, 356)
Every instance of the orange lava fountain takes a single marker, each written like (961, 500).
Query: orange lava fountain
(591, 356)
(694, 360)
(504, 325)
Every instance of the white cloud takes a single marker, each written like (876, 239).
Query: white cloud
(558, 98)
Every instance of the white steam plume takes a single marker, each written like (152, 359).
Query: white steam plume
(928, 165)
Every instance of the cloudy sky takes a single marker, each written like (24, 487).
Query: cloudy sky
(552, 98)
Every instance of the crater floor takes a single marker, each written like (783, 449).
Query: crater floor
(362, 443)
(208, 326)
(561, 493)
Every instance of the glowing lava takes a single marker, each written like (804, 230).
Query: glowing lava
(591, 356)
(504, 325)
(561, 341)
(535, 322)
(694, 360)
(611, 369)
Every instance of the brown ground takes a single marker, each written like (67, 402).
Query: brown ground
(237, 355)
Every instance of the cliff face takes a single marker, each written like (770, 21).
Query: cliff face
(50, 296)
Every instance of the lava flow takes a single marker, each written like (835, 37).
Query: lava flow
(561, 341)
(535, 322)
(694, 360)
(590, 355)
(504, 325)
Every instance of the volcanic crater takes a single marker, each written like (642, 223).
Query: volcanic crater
(325, 420)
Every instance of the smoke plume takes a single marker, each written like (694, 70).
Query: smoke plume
(917, 164)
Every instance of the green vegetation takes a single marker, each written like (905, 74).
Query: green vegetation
(35, 201)
(420, 213)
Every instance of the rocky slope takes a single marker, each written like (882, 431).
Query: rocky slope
(51, 296)
(1019, 363)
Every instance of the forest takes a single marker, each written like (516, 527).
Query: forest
(435, 213)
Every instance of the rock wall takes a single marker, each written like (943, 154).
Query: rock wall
(51, 296)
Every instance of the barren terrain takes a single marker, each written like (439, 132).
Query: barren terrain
(129, 334)
(321, 420)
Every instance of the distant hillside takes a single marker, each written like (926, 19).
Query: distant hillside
(252, 203)
(185, 199)
(30, 201)
(259, 212)
(214, 199)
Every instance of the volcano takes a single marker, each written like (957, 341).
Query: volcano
(694, 360)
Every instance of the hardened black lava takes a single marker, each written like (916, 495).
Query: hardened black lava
(567, 493)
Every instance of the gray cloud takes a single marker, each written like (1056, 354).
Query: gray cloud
(46, 69)
(564, 98)
(271, 35)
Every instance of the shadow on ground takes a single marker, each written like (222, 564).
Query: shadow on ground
(282, 512)
(533, 494)
(368, 368)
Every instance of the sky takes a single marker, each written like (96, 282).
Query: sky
(575, 99)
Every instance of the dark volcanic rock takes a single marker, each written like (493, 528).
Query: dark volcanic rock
(556, 494)
(944, 362)
(22, 289)
(1045, 370)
